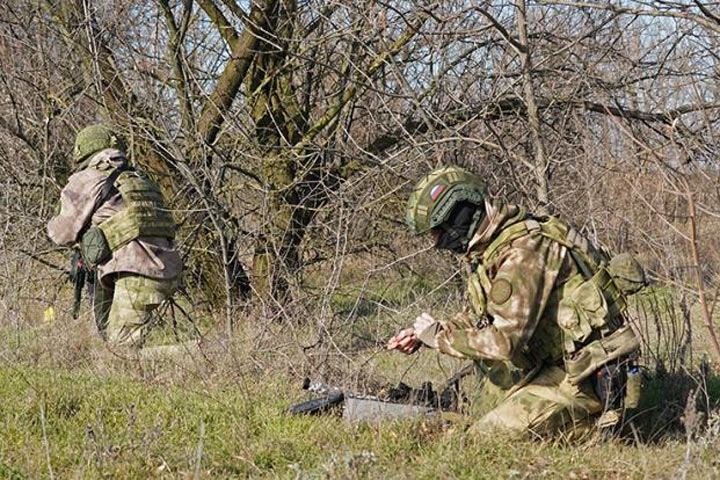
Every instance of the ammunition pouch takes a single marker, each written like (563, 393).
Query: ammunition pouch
(634, 387)
(584, 310)
(94, 247)
(593, 305)
(627, 273)
(596, 354)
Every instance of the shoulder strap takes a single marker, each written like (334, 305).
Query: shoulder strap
(552, 228)
(509, 235)
(106, 191)
(110, 183)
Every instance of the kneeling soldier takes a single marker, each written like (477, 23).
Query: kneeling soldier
(546, 327)
(125, 231)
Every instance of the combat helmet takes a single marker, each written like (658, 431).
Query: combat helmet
(90, 140)
(435, 195)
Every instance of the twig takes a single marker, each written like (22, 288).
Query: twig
(45, 439)
(199, 450)
(44, 262)
(700, 284)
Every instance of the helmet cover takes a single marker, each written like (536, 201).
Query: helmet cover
(437, 193)
(92, 139)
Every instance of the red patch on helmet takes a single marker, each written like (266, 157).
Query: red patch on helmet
(435, 191)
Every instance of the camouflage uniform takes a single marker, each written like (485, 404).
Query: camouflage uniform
(138, 276)
(513, 330)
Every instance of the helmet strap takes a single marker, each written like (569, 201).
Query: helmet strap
(476, 221)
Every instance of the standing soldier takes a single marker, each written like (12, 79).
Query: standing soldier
(546, 329)
(125, 231)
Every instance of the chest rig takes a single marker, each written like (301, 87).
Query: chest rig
(582, 325)
(144, 215)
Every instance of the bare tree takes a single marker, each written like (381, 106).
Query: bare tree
(287, 133)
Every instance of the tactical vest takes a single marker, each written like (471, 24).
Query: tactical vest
(144, 215)
(589, 304)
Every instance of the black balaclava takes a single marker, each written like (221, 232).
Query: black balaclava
(456, 230)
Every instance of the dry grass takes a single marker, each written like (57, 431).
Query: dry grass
(75, 409)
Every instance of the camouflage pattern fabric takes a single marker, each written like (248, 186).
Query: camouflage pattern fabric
(511, 329)
(144, 212)
(547, 405)
(153, 257)
(134, 299)
(509, 297)
(102, 298)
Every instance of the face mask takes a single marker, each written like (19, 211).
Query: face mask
(455, 231)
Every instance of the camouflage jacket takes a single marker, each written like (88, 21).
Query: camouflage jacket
(513, 299)
(148, 256)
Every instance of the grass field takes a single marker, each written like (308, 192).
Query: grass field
(82, 424)
(71, 408)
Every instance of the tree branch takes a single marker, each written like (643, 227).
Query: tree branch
(636, 11)
(515, 106)
(177, 59)
(228, 84)
(224, 27)
(518, 46)
(698, 271)
(351, 91)
(541, 164)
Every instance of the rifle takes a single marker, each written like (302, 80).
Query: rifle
(390, 402)
(79, 275)
(332, 397)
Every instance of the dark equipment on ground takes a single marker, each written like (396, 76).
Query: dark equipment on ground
(400, 401)
(618, 384)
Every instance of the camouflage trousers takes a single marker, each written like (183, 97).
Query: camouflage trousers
(548, 404)
(123, 313)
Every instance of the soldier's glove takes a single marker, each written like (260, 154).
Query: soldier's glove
(422, 321)
(426, 327)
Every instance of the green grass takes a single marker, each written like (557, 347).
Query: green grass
(83, 424)
(71, 407)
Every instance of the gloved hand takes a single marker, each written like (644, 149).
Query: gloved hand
(407, 340)
(423, 321)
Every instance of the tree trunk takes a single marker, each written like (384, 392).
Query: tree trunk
(293, 170)
(542, 188)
